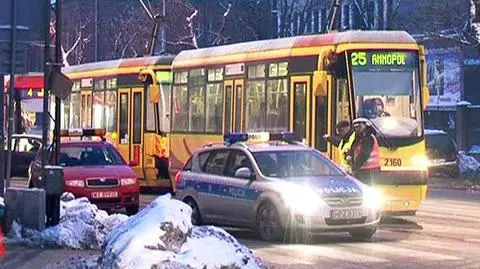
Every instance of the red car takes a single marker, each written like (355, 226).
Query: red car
(96, 170)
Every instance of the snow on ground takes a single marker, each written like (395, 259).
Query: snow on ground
(468, 164)
(82, 226)
(162, 236)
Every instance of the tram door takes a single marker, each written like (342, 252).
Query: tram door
(131, 126)
(300, 105)
(233, 106)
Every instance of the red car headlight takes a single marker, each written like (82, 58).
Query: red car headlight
(75, 183)
(128, 181)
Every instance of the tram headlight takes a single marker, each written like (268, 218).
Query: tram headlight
(372, 198)
(420, 161)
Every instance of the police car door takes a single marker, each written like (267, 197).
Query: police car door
(211, 186)
(240, 191)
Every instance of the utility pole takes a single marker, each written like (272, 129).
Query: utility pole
(46, 88)
(11, 93)
(58, 68)
(96, 27)
(333, 15)
(2, 135)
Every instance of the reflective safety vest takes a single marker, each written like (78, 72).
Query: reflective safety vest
(373, 160)
(343, 148)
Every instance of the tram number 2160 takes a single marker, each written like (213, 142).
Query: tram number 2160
(392, 162)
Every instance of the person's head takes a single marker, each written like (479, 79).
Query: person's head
(343, 127)
(360, 125)
(379, 105)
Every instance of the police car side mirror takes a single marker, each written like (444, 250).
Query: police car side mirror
(243, 172)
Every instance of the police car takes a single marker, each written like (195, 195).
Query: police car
(273, 185)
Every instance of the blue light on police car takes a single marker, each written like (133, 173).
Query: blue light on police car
(235, 137)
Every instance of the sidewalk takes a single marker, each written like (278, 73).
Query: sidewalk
(454, 183)
(25, 257)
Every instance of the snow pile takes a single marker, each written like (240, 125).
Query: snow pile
(475, 149)
(82, 226)
(162, 236)
(468, 164)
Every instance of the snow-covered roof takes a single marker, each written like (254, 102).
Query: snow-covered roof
(122, 66)
(283, 47)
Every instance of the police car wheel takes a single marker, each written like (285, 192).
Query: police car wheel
(364, 233)
(269, 225)
(196, 216)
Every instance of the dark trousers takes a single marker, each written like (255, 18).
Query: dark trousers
(367, 176)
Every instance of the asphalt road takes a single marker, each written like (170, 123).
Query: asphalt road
(445, 233)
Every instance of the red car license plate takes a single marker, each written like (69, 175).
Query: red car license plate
(105, 194)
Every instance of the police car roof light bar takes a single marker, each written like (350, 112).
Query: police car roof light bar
(235, 137)
(78, 132)
(283, 136)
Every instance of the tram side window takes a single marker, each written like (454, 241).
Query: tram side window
(75, 110)
(150, 112)
(214, 101)
(214, 108)
(66, 112)
(179, 114)
(343, 101)
(164, 107)
(98, 110)
(255, 106)
(255, 98)
(180, 109)
(321, 123)
(299, 126)
(110, 111)
(196, 96)
(277, 98)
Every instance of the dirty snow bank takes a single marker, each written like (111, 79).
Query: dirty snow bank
(468, 164)
(162, 236)
(82, 226)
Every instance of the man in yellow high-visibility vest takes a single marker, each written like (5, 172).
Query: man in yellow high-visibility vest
(343, 141)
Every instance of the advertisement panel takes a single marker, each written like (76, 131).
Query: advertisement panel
(444, 77)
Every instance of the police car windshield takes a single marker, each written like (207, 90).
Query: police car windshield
(89, 155)
(295, 163)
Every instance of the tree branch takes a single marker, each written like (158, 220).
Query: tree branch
(222, 27)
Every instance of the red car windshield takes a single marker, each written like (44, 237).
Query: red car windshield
(89, 155)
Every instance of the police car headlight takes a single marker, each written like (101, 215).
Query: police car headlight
(302, 200)
(372, 198)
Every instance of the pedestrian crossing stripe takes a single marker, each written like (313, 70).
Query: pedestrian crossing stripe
(375, 252)
(448, 216)
(333, 253)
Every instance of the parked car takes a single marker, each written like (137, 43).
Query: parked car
(96, 170)
(441, 153)
(275, 187)
(24, 149)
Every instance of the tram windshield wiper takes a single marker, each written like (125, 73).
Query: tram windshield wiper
(382, 135)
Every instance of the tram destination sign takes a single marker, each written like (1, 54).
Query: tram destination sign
(383, 59)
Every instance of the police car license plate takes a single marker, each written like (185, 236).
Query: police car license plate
(350, 213)
(105, 194)
(438, 161)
